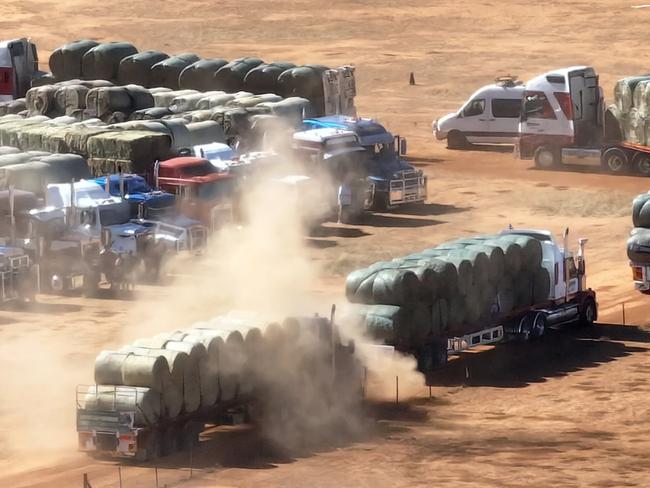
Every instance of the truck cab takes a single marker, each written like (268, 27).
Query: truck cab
(217, 153)
(490, 116)
(395, 181)
(145, 201)
(336, 157)
(204, 193)
(18, 66)
(561, 119)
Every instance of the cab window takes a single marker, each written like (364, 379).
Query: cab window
(474, 107)
(571, 267)
(537, 106)
(506, 108)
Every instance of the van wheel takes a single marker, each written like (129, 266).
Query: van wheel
(615, 161)
(641, 162)
(456, 140)
(545, 157)
(588, 313)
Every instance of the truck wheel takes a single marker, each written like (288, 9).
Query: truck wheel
(456, 140)
(90, 285)
(545, 157)
(380, 202)
(641, 163)
(615, 161)
(538, 327)
(170, 441)
(588, 313)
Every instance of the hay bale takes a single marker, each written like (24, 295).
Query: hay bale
(641, 211)
(634, 127)
(464, 271)
(4, 150)
(254, 100)
(479, 261)
(523, 290)
(395, 325)
(141, 98)
(185, 103)
(541, 285)
(144, 402)
(294, 109)
(200, 74)
(512, 255)
(531, 250)
(106, 100)
(305, 82)
(440, 318)
(496, 259)
(66, 61)
(264, 77)
(32, 176)
(624, 91)
(76, 138)
(638, 246)
(136, 68)
(41, 100)
(102, 61)
(456, 312)
(150, 113)
(196, 354)
(506, 295)
(165, 98)
(142, 148)
(230, 77)
(166, 73)
(66, 167)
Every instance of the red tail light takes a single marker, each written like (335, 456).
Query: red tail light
(564, 99)
(6, 81)
(637, 273)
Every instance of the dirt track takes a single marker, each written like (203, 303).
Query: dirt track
(569, 412)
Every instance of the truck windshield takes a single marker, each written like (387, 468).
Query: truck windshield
(114, 214)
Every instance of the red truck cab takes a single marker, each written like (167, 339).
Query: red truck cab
(203, 193)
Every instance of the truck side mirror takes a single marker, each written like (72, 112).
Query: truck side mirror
(402, 146)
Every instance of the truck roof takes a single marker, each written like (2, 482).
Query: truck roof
(551, 79)
(87, 194)
(322, 134)
(369, 131)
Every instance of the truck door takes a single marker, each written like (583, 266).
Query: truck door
(504, 122)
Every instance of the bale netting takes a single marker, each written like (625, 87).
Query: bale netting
(136, 68)
(264, 77)
(166, 73)
(200, 74)
(145, 403)
(305, 82)
(624, 91)
(102, 61)
(393, 324)
(230, 77)
(638, 246)
(66, 61)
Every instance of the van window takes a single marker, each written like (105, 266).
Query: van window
(474, 107)
(506, 108)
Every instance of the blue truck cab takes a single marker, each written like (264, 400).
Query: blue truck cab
(395, 181)
(145, 202)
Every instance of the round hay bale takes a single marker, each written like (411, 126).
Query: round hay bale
(67, 167)
(496, 257)
(219, 99)
(141, 98)
(293, 109)
(102, 61)
(428, 278)
(358, 285)
(440, 318)
(166, 73)
(511, 254)
(144, 402)
(395, 287)
(456, 312)
(523, 290)
(70, 98)
(473, 307)
(66, 61)
(230, 77)
(108, 368)
(106, 100)
(165, 98)
(638, 245)
(541, 285)
(305, 82)
(624, 91)
(479, 261)
(146, 371)
(196, 353)
(464, 271)
(395, 325)
(264, 77)
(641, 211)
(506, 295)
(531, 250)
(136, 68)
(209, 365)
(200, 74)
(186, 103)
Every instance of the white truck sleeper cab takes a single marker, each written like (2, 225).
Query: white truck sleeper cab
(490, 116)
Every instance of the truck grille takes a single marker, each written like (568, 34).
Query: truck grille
(106, 441)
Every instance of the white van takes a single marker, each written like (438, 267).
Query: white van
(18, 65)
(490, 116)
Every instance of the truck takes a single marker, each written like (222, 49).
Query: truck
(204, 193)
(157, 211)
(395, 182)
(18, 66)
(108, 423)
(91, 215)
(569, 301)
(336, 158)
(564, 121)
(17, 281)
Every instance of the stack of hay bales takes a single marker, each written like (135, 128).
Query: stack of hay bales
(631, 109)
(218, 362)
(66, 61)
(452, 289)
(102, 61)
(638, 245)
(200, 75)
(32, 171)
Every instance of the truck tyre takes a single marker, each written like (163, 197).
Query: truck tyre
(641, 163)
(538, 326)
(90, 285)
(380, 202)
(615, 161)
(456, 140)
(546, 157)
(588, 313)
(170, 441)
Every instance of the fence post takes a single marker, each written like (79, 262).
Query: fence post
(191, 461)
(623, 307)
(156, 471)
(396, 390)
(86, 482)
(119, 474)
